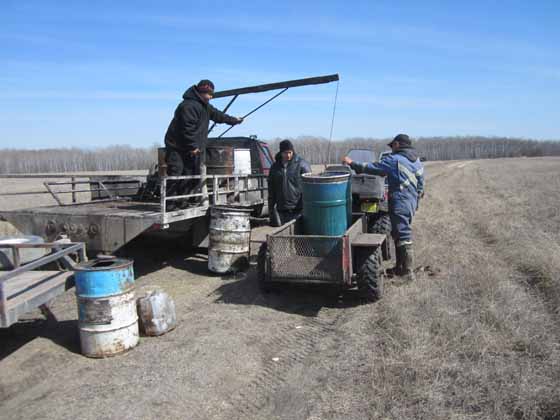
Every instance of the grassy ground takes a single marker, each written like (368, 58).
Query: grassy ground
(476, 337)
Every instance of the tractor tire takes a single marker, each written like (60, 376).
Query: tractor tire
(380, 224)
(371, 277)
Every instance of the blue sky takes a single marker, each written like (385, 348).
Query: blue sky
(87, 74)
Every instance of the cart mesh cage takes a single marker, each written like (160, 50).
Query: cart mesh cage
(306, 258)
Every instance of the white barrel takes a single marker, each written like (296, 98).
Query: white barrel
(230, 234)
(242, 162)
(108, 326)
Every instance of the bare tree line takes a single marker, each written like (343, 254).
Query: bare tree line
(113, 158)
(316, 150)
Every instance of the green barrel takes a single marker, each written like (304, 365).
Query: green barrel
(325, 203)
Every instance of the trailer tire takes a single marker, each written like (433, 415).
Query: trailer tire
(371, 277)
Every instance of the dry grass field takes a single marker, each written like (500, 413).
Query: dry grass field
(476, 337)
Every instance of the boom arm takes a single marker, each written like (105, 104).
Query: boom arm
(279, 85)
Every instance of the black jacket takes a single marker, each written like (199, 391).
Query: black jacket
(284, 184)
(188, 129)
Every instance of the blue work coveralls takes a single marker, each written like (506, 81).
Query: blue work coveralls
(405, 176)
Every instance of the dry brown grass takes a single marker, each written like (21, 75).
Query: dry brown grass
(480, 340)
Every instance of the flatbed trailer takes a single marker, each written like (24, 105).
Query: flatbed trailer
(107, 224)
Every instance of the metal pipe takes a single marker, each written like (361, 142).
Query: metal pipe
(224, 110)
(256, 109)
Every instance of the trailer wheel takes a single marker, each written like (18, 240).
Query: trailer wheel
(261, 269)
(371, 277)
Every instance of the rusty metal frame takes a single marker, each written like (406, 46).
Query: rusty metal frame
(60, 252)
(289, 230)
(236, 189)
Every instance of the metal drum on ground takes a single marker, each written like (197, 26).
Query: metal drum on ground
(230, 234)
(325, 203)
(108, 320)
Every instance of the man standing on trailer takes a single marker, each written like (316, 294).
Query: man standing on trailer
(284, 185)
(186, 137)
(405, 175)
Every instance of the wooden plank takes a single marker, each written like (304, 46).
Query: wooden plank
(368, 239)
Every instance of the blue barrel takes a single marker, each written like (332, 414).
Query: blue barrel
(107, 316)
(325, 203)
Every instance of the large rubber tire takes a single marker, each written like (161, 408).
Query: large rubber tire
(380, 224)
(371, 277)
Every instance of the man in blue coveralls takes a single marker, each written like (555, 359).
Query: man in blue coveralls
(405, 175)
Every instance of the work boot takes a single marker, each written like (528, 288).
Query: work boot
(408, 262)
(398, 268)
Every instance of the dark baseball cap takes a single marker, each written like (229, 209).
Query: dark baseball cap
(403, 139)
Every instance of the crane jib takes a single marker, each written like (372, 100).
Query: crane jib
(279, 85)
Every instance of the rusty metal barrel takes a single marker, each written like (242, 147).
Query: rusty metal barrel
(230, 235)
(219, 160)
(108, 320)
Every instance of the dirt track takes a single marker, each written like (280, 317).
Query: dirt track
(475, 337)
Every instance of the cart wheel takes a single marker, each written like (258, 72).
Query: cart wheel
(371, 277)
(261, 269)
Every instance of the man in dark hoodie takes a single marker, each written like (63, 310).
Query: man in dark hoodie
(405, 176)
(284, 185)
(186, 137)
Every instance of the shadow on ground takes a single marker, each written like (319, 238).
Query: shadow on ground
(305, 300)
(62, 333)
(151, 254)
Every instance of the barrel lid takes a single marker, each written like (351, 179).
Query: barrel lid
(103, 264)
(326, 178)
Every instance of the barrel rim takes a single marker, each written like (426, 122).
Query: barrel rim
(232, 209)
(325, 179)
(116, 264)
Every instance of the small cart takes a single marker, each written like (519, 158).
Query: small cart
(341, 262)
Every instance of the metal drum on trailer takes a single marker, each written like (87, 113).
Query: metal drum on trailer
(108, 320)
(230, 234)
(242, 162)
(219, 160)
(326, 198)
